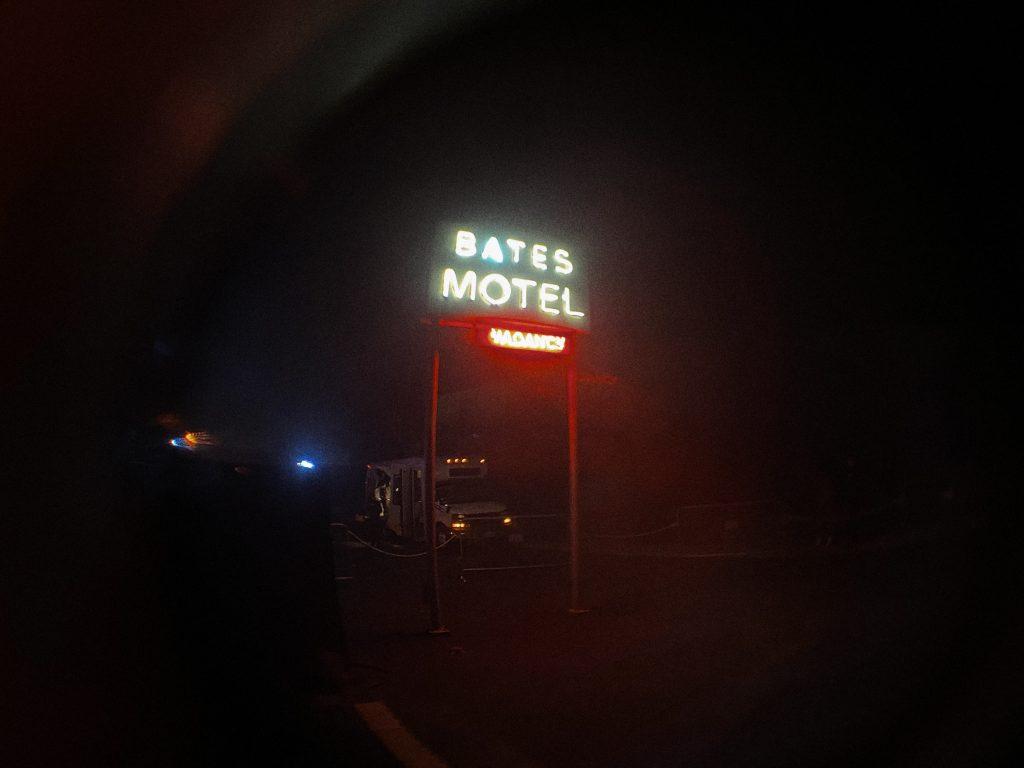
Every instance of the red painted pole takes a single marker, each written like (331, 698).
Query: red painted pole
(430, 496)
(574, 511)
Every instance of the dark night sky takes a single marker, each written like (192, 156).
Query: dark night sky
(797, 222)
(773, 209)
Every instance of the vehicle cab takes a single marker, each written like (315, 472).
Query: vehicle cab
(469, 503)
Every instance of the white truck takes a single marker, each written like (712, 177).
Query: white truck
(468, 502)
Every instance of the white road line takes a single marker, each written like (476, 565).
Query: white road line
(400, 742)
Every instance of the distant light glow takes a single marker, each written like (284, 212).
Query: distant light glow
(199, 438)
(180, 442)
(305, 464)
(507, 521)
(538, 342)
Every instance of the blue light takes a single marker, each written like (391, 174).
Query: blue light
(305, 464)
(181, 442)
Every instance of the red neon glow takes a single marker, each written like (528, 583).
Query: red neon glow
(537, 342)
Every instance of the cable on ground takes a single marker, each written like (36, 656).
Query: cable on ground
(368, 545)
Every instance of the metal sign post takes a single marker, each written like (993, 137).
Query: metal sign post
(430, 494)
(572, 413)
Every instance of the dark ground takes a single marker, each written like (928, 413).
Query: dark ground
(887, 656)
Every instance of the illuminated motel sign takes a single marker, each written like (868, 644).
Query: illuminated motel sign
(520, 293)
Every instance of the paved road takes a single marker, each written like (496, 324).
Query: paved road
(789, 661)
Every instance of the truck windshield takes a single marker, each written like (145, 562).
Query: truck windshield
(466, 491)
